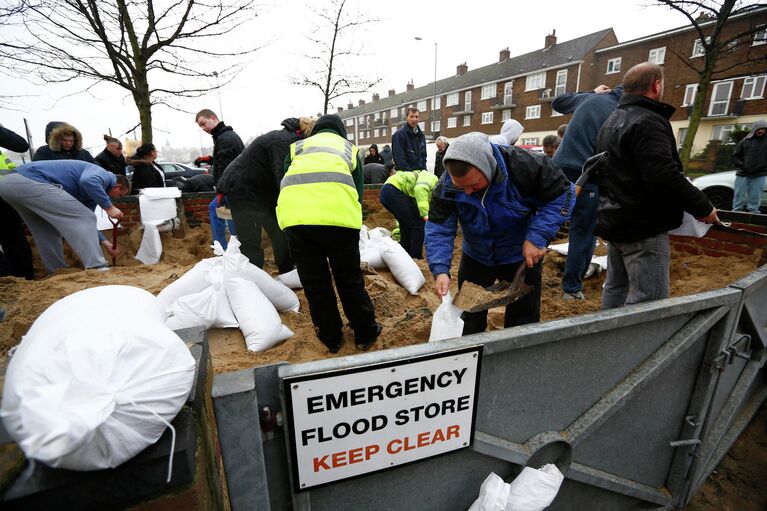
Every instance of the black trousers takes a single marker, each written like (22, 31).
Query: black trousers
(522, 312)
(249, 217)
(318, 250)
(16, 259)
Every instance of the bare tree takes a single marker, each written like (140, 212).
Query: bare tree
(123, 42)
(335, 47)
(725, 50)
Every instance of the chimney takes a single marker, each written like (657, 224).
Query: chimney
(376, 97)
(350, 106)
(410, 86)
(361, 102)
(504, 55)
(461, 69)
(391, 92)
(551, 39)
(340, 109)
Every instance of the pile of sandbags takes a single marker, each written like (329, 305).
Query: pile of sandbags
(532, 490)
(379, 250)
(96, 380)
(227, 291)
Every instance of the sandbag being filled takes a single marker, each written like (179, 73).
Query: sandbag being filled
(82, 389)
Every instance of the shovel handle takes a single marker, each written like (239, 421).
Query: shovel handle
(115, 224)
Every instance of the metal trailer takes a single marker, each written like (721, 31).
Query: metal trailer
(636, 405)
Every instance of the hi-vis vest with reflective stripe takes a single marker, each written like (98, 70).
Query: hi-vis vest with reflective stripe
(318, 188)
(6, 165)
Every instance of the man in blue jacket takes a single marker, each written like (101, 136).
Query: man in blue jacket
(589, 109)
(510, 204)
(56, 199)
(409, 143)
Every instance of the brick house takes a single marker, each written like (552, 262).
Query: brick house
(523, 87)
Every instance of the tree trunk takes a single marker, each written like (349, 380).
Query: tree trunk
(143, 104)
(697, 112)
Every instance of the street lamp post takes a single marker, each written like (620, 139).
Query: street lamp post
(218, 91)
(435, 113)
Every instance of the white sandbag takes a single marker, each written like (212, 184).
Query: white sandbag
(157, 205)
(150, 250)
(402, 266)
(225, 317)
(534, 490)
(290, 279)
(691, 227)
(189, 283)
(446, 323)
(493, 495)
(237, 265)
(363, 237)
(372, 256)
(377, 233)
(82, 388)
(259, 321)
(198, 309)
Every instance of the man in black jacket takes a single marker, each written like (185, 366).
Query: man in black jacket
(16, 256)
(251, 184)
(227, 145)
(643, 192)
(409, 143)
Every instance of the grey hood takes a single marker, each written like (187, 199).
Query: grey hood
(760, 124)
(475, 149)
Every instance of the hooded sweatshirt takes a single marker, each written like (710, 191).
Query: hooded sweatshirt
(374, 158)
(52, 151)
(510, 132)
(750, 155)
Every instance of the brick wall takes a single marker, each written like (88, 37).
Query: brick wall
(371, 201)
(719, 243)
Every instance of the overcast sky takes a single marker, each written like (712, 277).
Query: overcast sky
(262, 95)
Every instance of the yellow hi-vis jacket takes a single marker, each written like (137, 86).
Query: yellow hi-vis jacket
(417, 184)
(318, 188)
(6, 165)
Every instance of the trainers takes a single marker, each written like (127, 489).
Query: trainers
(366, 344)
(573, 296)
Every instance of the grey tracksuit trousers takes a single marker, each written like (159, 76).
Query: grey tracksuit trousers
(50, 214)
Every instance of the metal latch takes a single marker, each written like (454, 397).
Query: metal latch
(739, 349)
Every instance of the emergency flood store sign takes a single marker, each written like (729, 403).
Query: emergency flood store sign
(352, 422)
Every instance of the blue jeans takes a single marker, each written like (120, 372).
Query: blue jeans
(411, 224)
(218, 225)
(637, 271)
(748, 193)
(581, 238)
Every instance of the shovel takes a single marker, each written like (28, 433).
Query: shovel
(506, 292)
(115, 224)
(727, 227)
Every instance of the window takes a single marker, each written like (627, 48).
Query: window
(383, 132)
(657, 55)
(536, 81)
(689, 94)
(363, 134)
(529, 141)
(722, 132)
(377, 116)
(467, 101)
(436, 103)
(394, 113)
(349, 122)
(360, 121)
(452, 99)
(760, 37)
(506, 115)
(487, 118)
(508, 90)
(422, 125)
(533, 112)
(753, 87)
(376, 133)
(682, 134)
(393, 130)
(720, 99)
(452, 122)
(467, 120)
(613, 66)
(435, 126)
(350, 136)
(421, 106)
(489, 91)
(561, 84)
(697, 49)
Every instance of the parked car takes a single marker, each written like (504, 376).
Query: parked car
(720, 189)
(532, 148)
(175, 173)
